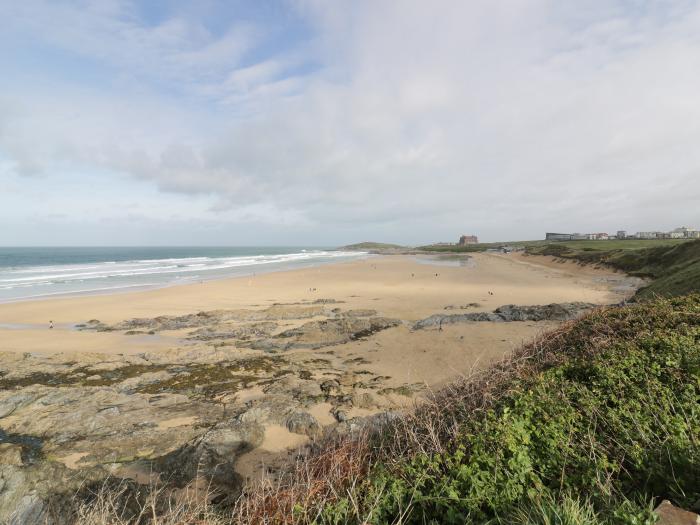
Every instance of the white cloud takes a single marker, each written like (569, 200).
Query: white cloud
(178, 49)
(419, 120)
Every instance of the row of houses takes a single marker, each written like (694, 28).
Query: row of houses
(683, 232)
(678, 233)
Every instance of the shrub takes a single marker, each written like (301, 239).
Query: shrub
(608, 409)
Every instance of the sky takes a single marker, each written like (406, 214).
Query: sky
(309, 122)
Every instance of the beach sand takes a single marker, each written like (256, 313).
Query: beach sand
(405, 288)
(397, 286)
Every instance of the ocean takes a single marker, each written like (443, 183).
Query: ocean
(33, 273)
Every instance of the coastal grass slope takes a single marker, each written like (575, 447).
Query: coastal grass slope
(479, 247)
(594, 423)
(673, 267)
(361, 246)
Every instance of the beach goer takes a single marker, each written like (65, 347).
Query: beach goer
(50, 325)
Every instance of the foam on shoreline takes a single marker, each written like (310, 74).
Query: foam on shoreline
(37, 282)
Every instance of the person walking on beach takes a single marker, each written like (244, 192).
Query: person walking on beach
(50, 325)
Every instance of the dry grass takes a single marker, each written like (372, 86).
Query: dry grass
(329, 472)
(160, 505)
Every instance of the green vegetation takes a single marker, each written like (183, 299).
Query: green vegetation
(571, 246)
(672, 265)
(612, 245)
(373, 246)
(197, 380)
(568, 510)
(591, 425)
(480, 247)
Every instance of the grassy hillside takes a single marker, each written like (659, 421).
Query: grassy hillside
(361, 246)
(479, 247)
(556, 246)
(673, 265)
(592, 424)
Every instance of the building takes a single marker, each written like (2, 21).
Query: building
(685, 232)
(559, 237)
(468, 239)
(648, 235)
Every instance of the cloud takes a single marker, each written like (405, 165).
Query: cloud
(409, 119)
(114, 34)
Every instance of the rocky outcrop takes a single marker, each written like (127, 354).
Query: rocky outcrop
(44, 494)
(303, 423)
(462, 306)
(368, 424)
(548, 312)
(213, 317)
(355, 313)
(668, 514)
(212, 456)
(185, 412)
(247, 331)
(509, 313)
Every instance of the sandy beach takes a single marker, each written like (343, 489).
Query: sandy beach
(402, 286)
(307, 350)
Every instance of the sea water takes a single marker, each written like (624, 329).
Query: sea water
(32, 273)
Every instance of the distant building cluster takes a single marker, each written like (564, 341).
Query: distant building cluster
(679, 233)
(468, 239)
(464, 240)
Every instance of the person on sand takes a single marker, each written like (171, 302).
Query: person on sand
(50, 325)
